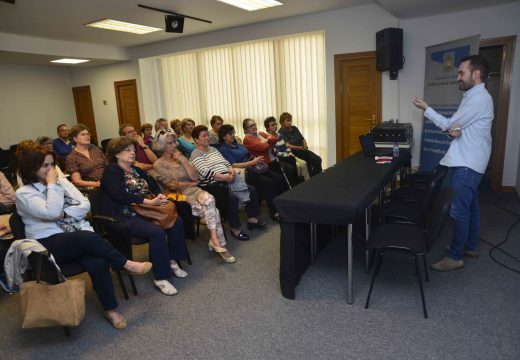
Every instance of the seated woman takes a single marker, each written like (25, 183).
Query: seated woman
(86, 162)
(215, 123)
(268, 183)
(47, 143)
(298, 145)
(53, 212)
(186, 141)
(213, 167)
(7, 195)
(175, 124)
(7, 198)
(124, 184)
(176, 172)
(146, 133)
(290, 162)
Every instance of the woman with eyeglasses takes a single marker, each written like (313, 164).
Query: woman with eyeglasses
(54, 212)
(86, 162)
(124, 184)
(175, 171)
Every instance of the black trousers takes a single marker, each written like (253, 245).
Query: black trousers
(313, 160)
(268, 185)
(95, 254)
(227, 202)
(288, 165)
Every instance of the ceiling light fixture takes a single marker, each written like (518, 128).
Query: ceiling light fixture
(69, 61)
(116, 25)
(252, 5)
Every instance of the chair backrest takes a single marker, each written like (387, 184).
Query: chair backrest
(17, 226)
(104, 144)
(367, 144)
(434, 187)
(435, 220)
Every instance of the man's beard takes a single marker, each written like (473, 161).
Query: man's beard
(465, 86)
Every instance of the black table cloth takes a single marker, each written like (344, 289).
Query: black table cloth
(335, 196)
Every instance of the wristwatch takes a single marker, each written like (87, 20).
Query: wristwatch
(144, 147)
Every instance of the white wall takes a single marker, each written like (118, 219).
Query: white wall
(101, 80)
(490, 22)
(33, 101)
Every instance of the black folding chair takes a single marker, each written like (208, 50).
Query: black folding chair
(410, 239)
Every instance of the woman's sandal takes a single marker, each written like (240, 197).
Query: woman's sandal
(147, 266)
(177, 271)
(223, 252)
(165, 287)
(119, 325)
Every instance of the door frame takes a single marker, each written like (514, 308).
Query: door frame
(506, 78)
(338, 90)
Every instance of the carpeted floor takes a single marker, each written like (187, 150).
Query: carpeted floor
(236, 311)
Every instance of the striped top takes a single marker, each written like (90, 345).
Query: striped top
(208, 164)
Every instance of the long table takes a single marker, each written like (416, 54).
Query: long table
(335, 197)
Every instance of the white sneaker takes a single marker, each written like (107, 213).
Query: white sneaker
(165, 287)
(177, 271)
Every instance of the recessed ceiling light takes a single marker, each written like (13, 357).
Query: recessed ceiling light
(252, 5)
(116, 25)
(69, 61)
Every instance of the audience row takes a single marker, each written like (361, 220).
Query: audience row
(216, 171)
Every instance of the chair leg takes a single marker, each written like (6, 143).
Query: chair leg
(223, 229)
(66, 330)
(189, 258)
(132, 284)
(420, 286)
(122, 284)
(425, 268)
(376, 272)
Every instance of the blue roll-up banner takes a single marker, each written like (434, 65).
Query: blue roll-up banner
(441, 92)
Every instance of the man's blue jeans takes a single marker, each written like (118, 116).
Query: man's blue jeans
(465, 210)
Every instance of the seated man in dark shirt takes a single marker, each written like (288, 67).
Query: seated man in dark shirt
(296, 142)
(62, 145)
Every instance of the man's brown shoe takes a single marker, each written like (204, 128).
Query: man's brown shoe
(448, 264)
(472, 254)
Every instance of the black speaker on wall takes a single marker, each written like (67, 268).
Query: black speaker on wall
(174, 23)
(389, 50)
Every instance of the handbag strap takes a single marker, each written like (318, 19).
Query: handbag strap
(60, 276)
(39, 268)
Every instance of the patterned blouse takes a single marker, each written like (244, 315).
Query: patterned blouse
(136, 186)
(89, 169)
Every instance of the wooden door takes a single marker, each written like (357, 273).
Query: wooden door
(127, 103)
(85, 110)
(358, 99)
(499, 86)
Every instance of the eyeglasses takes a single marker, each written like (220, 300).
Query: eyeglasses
(164, 131)
(251, 125)
(84, 134)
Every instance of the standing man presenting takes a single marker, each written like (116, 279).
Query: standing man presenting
(467, 157)
(62, 145)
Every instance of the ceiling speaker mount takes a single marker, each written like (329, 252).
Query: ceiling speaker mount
(174, 23)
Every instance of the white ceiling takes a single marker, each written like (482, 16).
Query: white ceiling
(65, 19)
